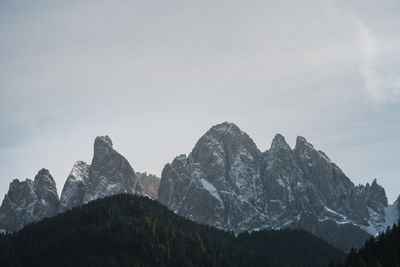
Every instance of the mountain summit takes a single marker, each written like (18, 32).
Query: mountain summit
(29, 201)
(226, 182)
(109, 174)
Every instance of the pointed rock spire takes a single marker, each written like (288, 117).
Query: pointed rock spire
(103, 146)
(376, 195)
(29, 201)
(75, 186)
(279, 142)
(110, 173)
(44, 180)
(302, 143)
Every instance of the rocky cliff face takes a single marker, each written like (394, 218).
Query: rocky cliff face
(398, 204)
(29, 201)
(150, 184)
(218, 181)
(225, 182)
(228, 183)
(75, 187)
(109, 174)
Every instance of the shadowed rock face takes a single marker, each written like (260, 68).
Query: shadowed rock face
(397, 206)
(29, 201)
(228, 183)
(217, 181)
(110, 173)
(150, 184)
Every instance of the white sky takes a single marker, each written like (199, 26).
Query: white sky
(156, 75)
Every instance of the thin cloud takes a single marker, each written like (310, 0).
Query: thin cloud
(379, 88)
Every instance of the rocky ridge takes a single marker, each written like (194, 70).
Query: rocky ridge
(108, 174)
(29, 201)
(226, 182)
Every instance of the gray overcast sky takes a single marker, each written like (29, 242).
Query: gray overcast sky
(155, 75)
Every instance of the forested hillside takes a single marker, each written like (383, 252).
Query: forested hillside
(128, 230)
(383, 250)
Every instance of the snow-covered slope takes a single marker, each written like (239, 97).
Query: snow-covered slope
(228, 183)
(392, 215)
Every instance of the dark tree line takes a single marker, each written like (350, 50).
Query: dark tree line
(383, 250)
(127, 230)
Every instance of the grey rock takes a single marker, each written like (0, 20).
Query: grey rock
(217, 181)
(150, 184)
(29, 201)
(110, 173)
(398, 204)
(344, 236)
(75, 187)
(226, 182)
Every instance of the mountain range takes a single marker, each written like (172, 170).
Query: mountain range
(225, 182)
(228, 183)
(131, 230)
(108, 174)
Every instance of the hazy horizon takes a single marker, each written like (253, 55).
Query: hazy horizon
(156, 75)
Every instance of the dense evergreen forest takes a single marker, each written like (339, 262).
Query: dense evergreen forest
(128, 230)
(383, 250)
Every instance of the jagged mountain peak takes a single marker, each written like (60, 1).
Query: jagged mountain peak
(227, 183)
(225, 126)
(43, 172)
(225, 131)
(226, 138)
(302, 143)
(375, 193)
(374, 186)
(279, 142)
(103, 141)
(103, 147)
(75, 186)
(44, 177)
(79, 172)
(16, 183)
(110, 173)
(310, 155)
(44, 183)
(28, 201)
